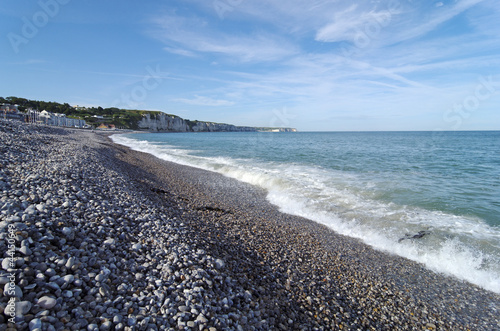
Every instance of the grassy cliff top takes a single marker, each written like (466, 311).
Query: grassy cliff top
(121, 118)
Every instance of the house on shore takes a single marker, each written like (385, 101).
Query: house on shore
(12, 112)
(57, 119)
(7, 108)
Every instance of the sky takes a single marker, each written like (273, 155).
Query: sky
(317, 65)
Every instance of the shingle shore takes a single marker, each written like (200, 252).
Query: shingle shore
(108, 238)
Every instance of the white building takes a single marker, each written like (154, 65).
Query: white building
(6, 108)
(8, 111)
(60, 120)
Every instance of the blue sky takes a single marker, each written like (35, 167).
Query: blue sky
(314, 65)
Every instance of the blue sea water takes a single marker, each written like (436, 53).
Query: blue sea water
(375, 186)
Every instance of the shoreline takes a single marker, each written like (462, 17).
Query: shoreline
(261, 268)
(225, 194)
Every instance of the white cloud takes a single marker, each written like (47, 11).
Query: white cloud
(350, 22)
(424, 23)
(487, 20)
(180, 51)
(29, 62)
(402, 72)
(204, 101)
(247, 48)
(190, 36)
(334, 21)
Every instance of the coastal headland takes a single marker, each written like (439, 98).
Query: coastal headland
(95, 236)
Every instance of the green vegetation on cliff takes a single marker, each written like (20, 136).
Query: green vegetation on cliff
(121, 118)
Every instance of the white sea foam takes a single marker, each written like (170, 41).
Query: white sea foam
(466, 248)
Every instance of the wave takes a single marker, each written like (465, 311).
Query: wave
(466, 248)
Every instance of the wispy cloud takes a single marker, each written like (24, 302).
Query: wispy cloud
(191, 35)
(403, 71)
(486, 20)
(30, 62)
(204, 101)
(426, 22)
(349, 23)
(180, 51)
(326, 60)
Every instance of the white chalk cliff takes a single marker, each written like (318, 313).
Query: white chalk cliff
(172, 123)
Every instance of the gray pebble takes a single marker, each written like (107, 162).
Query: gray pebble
(12, 291)
(68, 278)
(35, 323)
(50, 272)
(25, 250)
(46, 302)
(219, 264)
(6, 263)
(70, 262)
(23, 307)
(109, 241)
(100, 277)
(132, 321)
(107, 325)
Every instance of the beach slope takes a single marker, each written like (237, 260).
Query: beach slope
(109, 238)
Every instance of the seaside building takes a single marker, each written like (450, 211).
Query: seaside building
(7, 108)
(57, 119)
(8, 111)
(32, 116)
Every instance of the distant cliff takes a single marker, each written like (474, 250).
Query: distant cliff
(131, 118)
(172, 123)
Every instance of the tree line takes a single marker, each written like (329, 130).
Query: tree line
(123, 118)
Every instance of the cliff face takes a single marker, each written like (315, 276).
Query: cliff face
(165, 122)
(218, 127)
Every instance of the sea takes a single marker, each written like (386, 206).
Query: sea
(431, 197)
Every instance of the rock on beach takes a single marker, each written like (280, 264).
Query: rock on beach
(112, 239)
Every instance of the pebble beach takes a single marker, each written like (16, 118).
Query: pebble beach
(95, 236)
